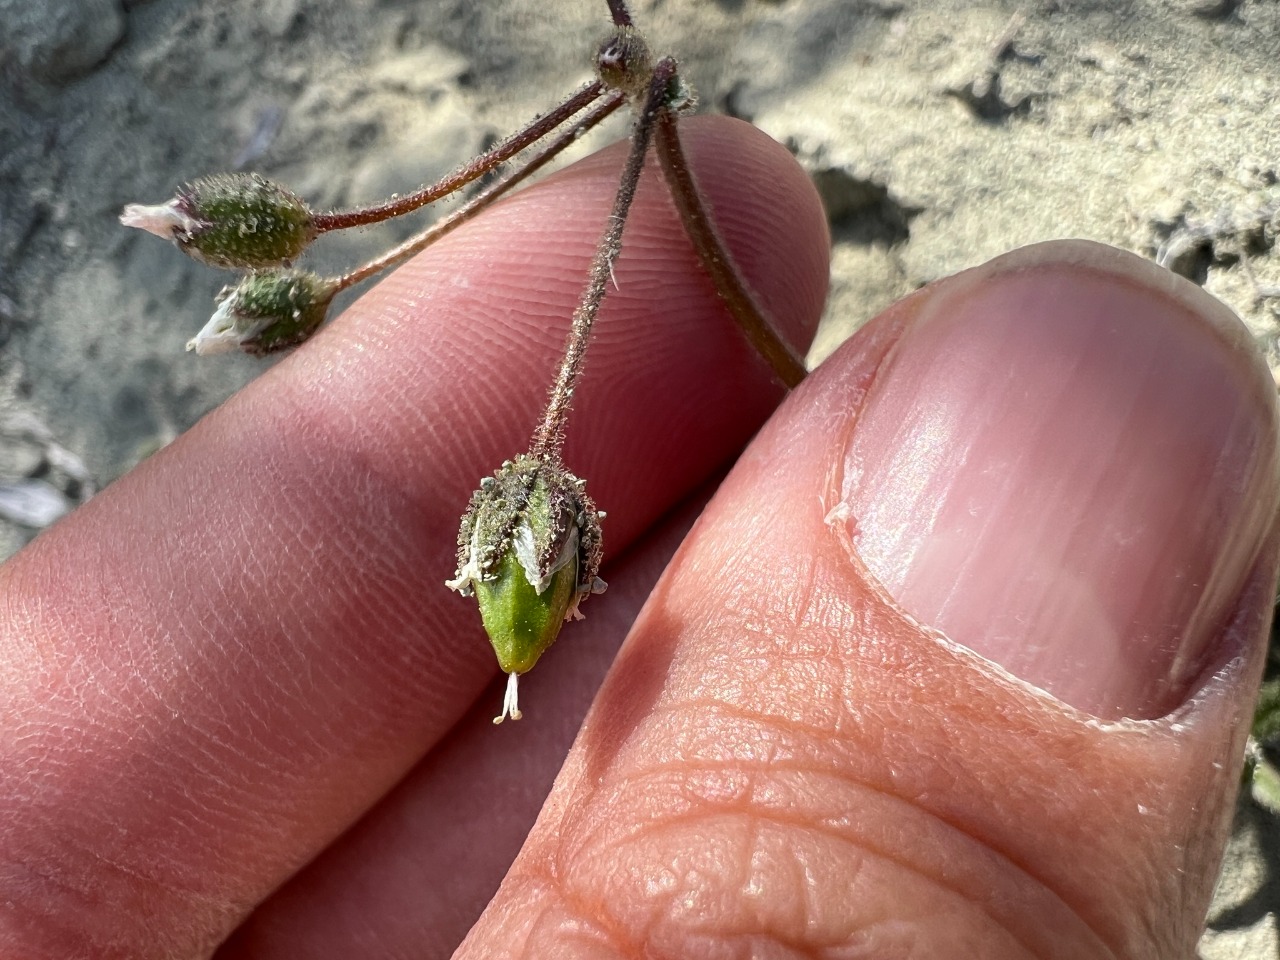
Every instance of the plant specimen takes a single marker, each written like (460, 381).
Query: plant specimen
(529, 547)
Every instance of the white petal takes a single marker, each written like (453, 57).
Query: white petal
(164, 220)
(219, 335)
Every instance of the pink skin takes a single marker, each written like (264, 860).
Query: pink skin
(230, 656)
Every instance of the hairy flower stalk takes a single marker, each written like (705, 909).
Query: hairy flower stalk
(478, 203)
(468, 172)
(741, 303)
(529, 544)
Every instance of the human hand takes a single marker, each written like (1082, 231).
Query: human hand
(223, 661)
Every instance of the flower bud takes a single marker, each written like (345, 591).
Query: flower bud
(266, 312)
(237, 220)
(623, 62)
(529, 549)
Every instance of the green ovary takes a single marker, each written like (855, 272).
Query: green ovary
(521, 622)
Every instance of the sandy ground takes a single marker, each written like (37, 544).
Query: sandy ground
(940, 134)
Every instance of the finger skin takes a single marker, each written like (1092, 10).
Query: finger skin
(413, 876)
(215, 666)
(782, 764)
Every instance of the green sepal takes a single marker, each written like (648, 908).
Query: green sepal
(521, 622)
(243, 221)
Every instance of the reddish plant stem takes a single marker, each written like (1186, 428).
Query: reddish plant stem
(479, 202)
(741, 302)
(549, 436)
(618, 10)
(472, 170)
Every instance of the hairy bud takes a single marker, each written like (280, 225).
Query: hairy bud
(266, 312)
(240, 221)
(624, 62)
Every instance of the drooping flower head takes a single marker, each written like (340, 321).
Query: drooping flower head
(529, 549)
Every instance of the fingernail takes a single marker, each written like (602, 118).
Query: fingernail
(1068, 465)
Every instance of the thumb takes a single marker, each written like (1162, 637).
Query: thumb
(959, 660)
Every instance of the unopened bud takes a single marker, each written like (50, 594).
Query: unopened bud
(624, 63)
(238, 220)
(266, 312)
(529, 549)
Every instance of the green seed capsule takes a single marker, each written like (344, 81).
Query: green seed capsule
(238, 220)
(266, 312)
(529, 549)
(520, 621)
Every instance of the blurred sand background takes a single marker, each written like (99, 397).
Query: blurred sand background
(939, 133)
